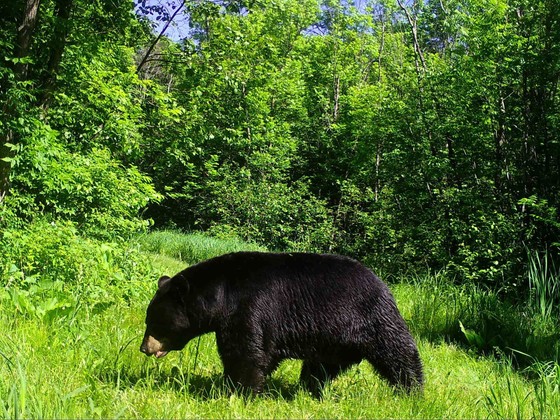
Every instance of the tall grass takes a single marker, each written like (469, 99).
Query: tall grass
(544, 285)
(437, 309)
(191, 248)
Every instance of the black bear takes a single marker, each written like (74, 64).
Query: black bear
(328, 310)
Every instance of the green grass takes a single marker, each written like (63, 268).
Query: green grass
(436, 309)
(90, 367)
(193, 247)
(86, 364)
(544, 285)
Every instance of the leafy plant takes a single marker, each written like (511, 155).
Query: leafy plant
(48, 271)
(544, 285)
(92, 189)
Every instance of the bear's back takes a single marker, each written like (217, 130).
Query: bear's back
(253, 269)
(298, 285)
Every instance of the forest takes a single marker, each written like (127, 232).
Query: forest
(420, 137)
(412, 136)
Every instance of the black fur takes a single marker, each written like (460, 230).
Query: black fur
(328, 310)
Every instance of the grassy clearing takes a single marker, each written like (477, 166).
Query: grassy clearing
(91, 368)
(86, 364)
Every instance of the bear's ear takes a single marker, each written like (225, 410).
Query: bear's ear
(162, 281)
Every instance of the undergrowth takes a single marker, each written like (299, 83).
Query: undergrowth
(478, 318)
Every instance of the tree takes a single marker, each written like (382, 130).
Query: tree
(16, 72)
(34, 53)
(71, 130)
(25, 69)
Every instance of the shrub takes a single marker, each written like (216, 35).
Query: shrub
(47, 268)
(93, 190)
(277, 215)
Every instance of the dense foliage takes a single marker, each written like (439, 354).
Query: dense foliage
(410, 134)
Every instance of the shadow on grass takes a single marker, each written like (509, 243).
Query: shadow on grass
(204, 387)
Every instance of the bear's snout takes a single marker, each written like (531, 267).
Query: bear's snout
(151, 346)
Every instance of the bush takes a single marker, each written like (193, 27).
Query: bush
(276, 215)
(93, 190)
(47, 268)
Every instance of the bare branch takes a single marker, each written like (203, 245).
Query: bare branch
(162, 32)
(414, 29)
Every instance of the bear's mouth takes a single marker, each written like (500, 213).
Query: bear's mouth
(160, 353)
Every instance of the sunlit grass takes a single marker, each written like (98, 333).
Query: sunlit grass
(93, 369)
(191, 248)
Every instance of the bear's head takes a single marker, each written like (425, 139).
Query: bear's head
(167, 323)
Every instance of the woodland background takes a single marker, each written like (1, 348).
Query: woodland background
(411, 135)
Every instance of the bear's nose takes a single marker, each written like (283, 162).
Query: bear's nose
(144, 347)
(151, 346)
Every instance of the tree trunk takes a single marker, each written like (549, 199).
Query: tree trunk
(25, 35)
(57, 43)
(412, 21)
(7, 140)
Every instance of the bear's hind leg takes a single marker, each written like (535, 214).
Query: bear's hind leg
(314, 375)
(403, 371)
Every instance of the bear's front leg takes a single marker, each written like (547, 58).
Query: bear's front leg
(244, 362)
(244, 373)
